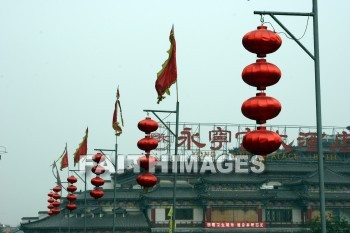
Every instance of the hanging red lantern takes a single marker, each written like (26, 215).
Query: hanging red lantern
(50, 206)
(97, 181)
(98, 170)
(261, 41)
(56, 196)
(56, 211)
(96, 193)
(147, 162)
(72, 179)
(261, 108)
(146, 180)
(50, 212)
(71, 206)
(50, 194)
(147, 125)
(71, 188)
(71, 197)
(261, 141)
(50, 200)
(261, 74)
(147, 144)
(57, 189)
(56, 203)
(98, 158)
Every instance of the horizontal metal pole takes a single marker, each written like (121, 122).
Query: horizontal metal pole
(104, 150)
(147, 110)
(283, 13)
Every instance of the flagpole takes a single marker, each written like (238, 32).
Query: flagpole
(115, 179)
(175, 160)
(85, 203)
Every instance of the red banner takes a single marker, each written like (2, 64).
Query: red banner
(235, 224)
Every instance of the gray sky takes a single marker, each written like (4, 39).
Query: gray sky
(61, 62)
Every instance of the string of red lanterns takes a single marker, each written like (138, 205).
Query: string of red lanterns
(261, 75)
(97, 181)
(50, 201)
(54, 206)
(147, 179)
(71, 197)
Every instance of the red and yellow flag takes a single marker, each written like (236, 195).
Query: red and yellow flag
(64, 159)
(167, 76)
(115, 124)
(82, 149)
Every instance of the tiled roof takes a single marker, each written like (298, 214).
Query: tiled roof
(234, 178)
(328, 196)
(167, 193)
(290, 167)
(59, 221)
(330, 177)
(246, 195)
(121, 194)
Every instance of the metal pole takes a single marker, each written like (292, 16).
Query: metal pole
(68, 221)
(115, 179)
(85, 203)
(318, 118)
(175, 168)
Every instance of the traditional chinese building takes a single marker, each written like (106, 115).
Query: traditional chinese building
(283, 198)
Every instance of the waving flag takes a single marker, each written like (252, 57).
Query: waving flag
(57, 175)
(115, 124)
(82, 149)
(64, 159)
(167, 76)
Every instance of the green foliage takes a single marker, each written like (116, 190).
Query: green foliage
(333, 224)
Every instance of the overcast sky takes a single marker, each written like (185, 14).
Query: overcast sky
(61, 62)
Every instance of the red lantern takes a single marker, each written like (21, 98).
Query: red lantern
(261, 108)
(56, 203)
(147, 125)
(56, 196)
(147, 162)
(147, 144)
(50, 194)
(98, 158)
(261, 74)
(261, 41)
(50, 212)
(57, 189)
(71, 188)
(98, 170)
(96, 193)
(50, 200)
(261, 141)
(50, 206)
(147, 180)
(71, 206)
(56, 211)
(97, 181)
(72, 179)
(71, 197)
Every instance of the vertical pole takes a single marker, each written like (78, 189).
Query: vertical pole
(85, 202)
(175, 168)
(318, 118)
(68, 221)
(115, 179)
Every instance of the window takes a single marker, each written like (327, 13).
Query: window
(181, 214)
(278, 215)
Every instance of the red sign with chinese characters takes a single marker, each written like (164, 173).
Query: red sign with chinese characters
(235, 224)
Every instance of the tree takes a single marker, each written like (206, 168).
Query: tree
(334, 225)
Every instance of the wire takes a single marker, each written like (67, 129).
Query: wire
(166, 117)
(307, 24)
